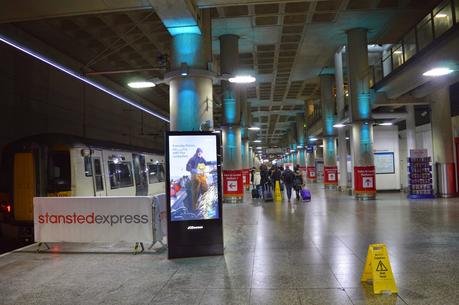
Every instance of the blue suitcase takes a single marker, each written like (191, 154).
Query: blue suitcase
(305, 194)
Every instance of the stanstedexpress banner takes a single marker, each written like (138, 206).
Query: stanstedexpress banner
(93, 219)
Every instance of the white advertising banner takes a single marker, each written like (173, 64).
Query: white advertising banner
(93, 219)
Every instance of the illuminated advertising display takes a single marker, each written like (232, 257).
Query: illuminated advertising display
(194, 194)
(193, 177)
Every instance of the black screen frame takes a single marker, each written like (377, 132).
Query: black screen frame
(205, 241)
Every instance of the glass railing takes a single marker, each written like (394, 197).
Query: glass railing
(432, 26)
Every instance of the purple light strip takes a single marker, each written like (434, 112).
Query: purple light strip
(68, 71)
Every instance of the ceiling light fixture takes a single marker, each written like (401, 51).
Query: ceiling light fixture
(254, 128)
(347, 138)
(339, 125)
(313, 139)
(242, 79)
(386, 124)
(438, 72)
(72, 73)
(439, 15)
(141, 84)
(257, 141)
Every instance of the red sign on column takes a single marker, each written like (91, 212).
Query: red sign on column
(330, 175)
(311, 171)
(246, 177)
(233, 183)
(364, 179)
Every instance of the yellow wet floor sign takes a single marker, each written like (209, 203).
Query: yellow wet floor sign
(378, 270)
(277, 192)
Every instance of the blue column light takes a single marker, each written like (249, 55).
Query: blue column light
(330, 147)
(230, 106)
(187, 48)
(364, 106)
(188, 107)
(365, 139)
(231, 142)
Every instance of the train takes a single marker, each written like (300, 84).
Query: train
(62, 165)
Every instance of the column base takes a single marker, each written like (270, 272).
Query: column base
(330, 187)
(233, 200)
(365, 196)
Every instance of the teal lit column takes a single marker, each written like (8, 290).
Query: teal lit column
(231, 120)
(364, 179)
(190, 84)
(342, 142)
(245, 105)
(329, 137)
(301, 159)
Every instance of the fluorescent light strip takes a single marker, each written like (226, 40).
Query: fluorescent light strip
(68, 71)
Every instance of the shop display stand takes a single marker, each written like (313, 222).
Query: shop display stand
(420, 178)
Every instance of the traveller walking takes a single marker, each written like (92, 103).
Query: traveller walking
(289, 178)
(298, 181)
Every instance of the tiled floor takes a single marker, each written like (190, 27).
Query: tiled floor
(275, 253)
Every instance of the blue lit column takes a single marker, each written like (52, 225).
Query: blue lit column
(342, 142)
(231, 130)
(245, 105)
(300, 141)
(364, 179)
(329, 137)
(190, 85)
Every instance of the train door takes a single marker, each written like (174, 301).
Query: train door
(140, 174)
(24, 186)
(98, 173)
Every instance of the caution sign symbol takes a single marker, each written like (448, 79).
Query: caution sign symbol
(378, 270)
(381, 267)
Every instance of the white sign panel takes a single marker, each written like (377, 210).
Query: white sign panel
(93, 219)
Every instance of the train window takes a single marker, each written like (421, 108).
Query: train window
(59, 171)
(155, 172)
(120, 174)
(98, 175)
(87, 166)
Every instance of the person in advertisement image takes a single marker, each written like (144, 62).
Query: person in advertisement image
(194, 178)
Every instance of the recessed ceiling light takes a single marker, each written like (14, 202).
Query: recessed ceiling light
(385, 124)
(242, 79)
(339, 125)
(398, 52)
(257, 141)
(254, 128)
(140, 85)
(438, 72)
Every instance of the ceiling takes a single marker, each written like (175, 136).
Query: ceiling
(285, 44)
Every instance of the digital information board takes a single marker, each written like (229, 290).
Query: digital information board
(194, 196)
(384, 163)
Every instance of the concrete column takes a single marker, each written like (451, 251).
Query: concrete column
(362, 129)
(301, 158)
(231, 130)
(329, 137)
(190, 95)
(245, 105)
(342, 144)
(442, 134)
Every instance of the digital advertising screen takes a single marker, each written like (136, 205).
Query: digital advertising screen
(193, 177)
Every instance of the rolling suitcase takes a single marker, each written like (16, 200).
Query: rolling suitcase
(267, 194)
(305, 194)
(255, 193)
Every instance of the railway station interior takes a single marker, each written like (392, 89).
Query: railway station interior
(359, 98)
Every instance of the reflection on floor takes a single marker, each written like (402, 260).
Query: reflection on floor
(276, 253)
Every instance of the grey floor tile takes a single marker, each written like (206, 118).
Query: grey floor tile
(274, 297)
(324, 297)
(178, 297)
(226, 297)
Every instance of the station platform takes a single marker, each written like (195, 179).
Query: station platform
(275, 253)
